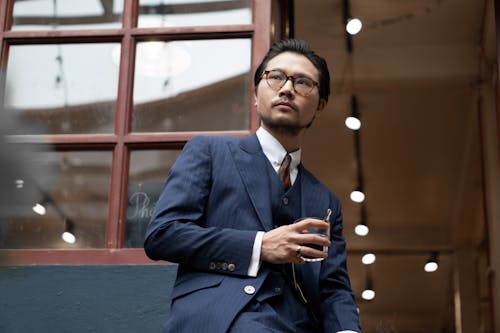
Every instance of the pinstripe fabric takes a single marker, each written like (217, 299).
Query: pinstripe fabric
(213, 203)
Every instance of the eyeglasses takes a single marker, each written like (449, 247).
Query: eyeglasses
(302, 85)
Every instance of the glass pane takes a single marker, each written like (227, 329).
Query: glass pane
(51, 193)
(192, 86)
(178, 13)
(148, 172)
(63, 88)
(67, 14)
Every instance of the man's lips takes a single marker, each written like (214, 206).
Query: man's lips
(286, 104)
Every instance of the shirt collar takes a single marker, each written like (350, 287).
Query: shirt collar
(274, 150)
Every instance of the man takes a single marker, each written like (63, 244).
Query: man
(228, 220)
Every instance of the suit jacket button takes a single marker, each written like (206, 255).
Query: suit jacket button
(224, 266)
(231, 267)
(285, 201)
(250, 290)
(211, 266)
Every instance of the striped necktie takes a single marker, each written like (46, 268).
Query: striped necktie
(284, 172)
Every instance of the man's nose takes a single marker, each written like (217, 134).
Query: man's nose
(287, 89)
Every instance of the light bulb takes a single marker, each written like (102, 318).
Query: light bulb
(19, 183)
(431, 266)
(368, 294)
(353, 123)
(368, 259)
(68, 237)
(357, 196)
(361, 230)
(39, 209)
(353, 26)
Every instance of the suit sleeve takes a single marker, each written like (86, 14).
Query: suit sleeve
(178, 232)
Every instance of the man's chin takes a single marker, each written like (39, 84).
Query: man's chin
(284, 127)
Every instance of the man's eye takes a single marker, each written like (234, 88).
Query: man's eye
(303, 81)
(276, 76)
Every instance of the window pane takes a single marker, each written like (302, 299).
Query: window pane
(63, 88)
(70, 193)
(148, 172)
(192, 86)
(67, 14)
(178, 13)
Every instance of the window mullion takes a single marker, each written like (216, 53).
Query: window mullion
(261, 43)
(118, 188)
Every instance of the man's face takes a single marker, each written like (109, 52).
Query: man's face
(284, 109)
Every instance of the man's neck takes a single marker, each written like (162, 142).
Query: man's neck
(290, 141)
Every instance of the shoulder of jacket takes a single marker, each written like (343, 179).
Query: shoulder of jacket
(210, 143)
(212, 139)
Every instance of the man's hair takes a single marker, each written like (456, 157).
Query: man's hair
(303, 48)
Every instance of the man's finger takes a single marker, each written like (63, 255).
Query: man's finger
(310, 223)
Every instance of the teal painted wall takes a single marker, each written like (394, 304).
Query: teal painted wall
(100, 298)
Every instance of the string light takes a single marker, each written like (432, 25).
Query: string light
(357, 196)
(368, 258)
(432, 263)
(368, 293)
(353, 26)
(19, 183)
(39, 209)
(68, 235)
(353, 121)
(362, 228)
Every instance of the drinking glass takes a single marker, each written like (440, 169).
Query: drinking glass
(323, 232)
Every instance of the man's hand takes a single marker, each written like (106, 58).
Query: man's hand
(280, 245)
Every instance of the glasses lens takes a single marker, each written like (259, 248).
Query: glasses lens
(303, 85)
(275, 79)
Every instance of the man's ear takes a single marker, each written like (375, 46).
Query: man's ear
(255, 99)
(321, 106)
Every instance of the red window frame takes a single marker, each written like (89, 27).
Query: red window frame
(122, 141)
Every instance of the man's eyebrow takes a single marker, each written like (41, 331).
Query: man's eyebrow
(294, 75)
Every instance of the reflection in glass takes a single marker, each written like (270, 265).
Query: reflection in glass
(67, 14)
(148, 172)
(64, 89)
(72, 187)
(179, 13)
(192, 86)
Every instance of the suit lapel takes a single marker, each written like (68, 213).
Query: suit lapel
(251, 164)
(314, 199)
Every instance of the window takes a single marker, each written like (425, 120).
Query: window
(98, 99)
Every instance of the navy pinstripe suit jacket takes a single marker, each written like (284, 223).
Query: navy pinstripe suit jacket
(215, 200)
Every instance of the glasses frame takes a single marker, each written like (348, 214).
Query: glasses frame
(291, 78)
